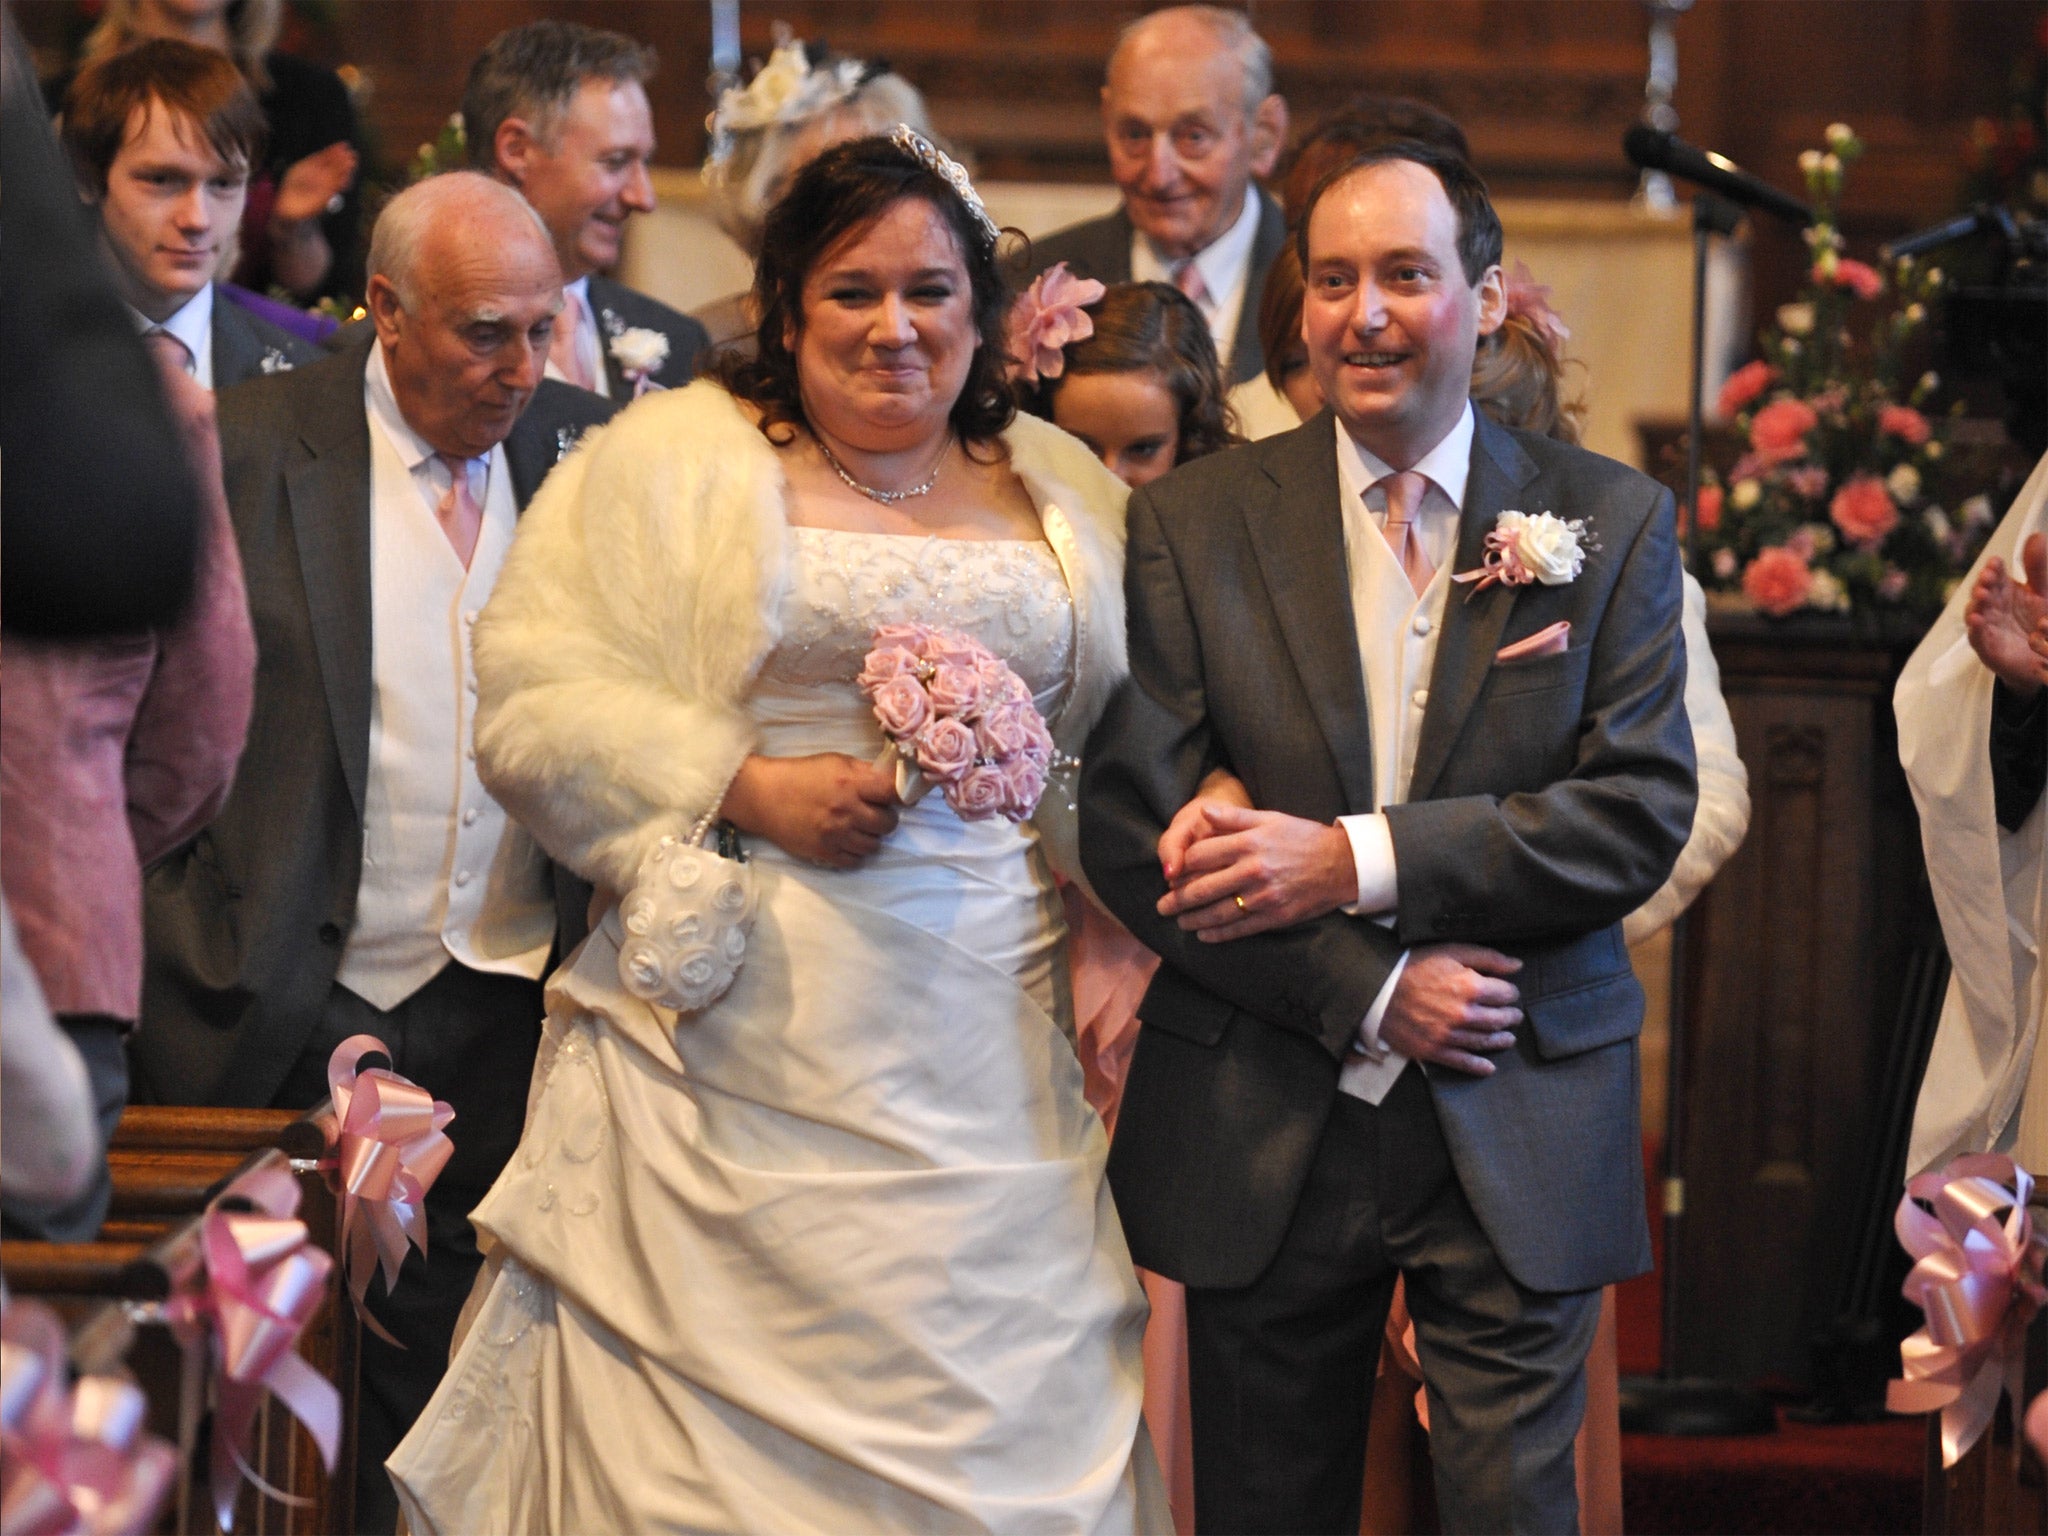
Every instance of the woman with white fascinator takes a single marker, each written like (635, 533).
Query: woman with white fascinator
(808, 1231)
(794, 109)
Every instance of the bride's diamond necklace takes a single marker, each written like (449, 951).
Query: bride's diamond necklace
(887, 498)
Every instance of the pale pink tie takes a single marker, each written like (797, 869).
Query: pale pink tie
(1187, 277)
(563, 351)
(1404, 502)
(461, 518)
(169, 349)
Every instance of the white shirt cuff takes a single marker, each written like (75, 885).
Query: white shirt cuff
(1368, 1041)
(1372, 850)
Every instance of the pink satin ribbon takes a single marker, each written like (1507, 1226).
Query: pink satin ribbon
(262, 1283)
(1500, 564)
(77, 1462)
(1978, 1281)
(386, 1149)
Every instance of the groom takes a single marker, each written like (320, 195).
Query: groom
(1394, 1033)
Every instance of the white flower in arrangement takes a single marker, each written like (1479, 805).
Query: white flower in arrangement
(1976, 512)
(1903, 483)
(640, 352)
(1725, 563)
(1827, 592)
(1938, 527)
(1839, 134)
(1795, 319)
(1809, 161)
(1819, 537)
(1747, 493)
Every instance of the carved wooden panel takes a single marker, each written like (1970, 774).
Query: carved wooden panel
(1794, 967)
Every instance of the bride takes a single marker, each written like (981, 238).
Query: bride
(834, 1254)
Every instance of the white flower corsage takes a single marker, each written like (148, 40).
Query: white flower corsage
(639, 352)
(1530, 546)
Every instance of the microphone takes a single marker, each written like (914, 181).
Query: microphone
(1652, 149)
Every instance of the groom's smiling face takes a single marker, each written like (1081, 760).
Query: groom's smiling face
(1390, 319)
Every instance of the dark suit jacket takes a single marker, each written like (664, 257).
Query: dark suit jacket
(243, 344)
(245, 924)
(1549, 799)
(618, 307)
(1101, 249)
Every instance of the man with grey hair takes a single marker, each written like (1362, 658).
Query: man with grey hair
(559, 110)
(359, 880)
(1190, 116)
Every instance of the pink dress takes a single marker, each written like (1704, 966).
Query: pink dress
(1110, 973)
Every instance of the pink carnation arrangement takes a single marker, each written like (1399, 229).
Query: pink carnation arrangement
(1843, 494)
(1046, 318)
(958, 716)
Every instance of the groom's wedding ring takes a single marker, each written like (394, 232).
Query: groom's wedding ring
(1240, 902)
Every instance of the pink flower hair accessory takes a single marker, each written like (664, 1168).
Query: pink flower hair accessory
(1530, 300)
(1046, 318)
(956, 715)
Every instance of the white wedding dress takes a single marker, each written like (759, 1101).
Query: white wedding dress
(835, 1255)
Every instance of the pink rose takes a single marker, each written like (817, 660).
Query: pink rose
(1041, 743)
(886, 663)
(978, 794)
(946, 749)
(1004, 729)
(1858, 277)
(1779, 430)
(1803, 544)
(1777, 581)
(1744, 385)
(1904, 423)
(903, 707)
(956, 690)
(913, 638)
(950, 648)
(1864, 510)
(1023, 787)
(1809, 481)
(1708, 508)
(1000, 683)
(1048, 317)
(1891, 586)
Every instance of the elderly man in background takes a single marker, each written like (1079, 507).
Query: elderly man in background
(162, 138)
(1191, 118)
(359, 879)
(559, 111)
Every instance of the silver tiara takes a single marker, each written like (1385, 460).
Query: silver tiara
(933, 158)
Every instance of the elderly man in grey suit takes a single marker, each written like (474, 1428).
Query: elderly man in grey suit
(360, 880)
(1395, 1028)
(1190, 114)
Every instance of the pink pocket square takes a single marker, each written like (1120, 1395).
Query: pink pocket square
(1545, 642)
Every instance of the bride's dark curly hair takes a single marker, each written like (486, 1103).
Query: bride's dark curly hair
(844, 189)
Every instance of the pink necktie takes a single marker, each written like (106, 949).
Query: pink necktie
(1187, 277)
(563, 351)
(169, 349)
(458, 513)
(1404, 500)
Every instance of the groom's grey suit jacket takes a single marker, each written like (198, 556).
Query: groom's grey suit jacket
(1550, 798)
(245, 924)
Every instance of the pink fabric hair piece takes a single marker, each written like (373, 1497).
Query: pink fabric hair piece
(1046, 317)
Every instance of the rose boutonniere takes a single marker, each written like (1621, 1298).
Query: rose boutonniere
(639, 352)
(1530, 546)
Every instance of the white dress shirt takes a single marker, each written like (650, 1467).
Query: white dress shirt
(193, 325)
(1225, 264)
(1397, 634)
(589, 340)
(446, 874)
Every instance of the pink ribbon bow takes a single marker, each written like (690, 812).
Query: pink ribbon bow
(77, 1461)
(261, 1284)
(1978, 1280)
(1501, 563)
(386, 1149)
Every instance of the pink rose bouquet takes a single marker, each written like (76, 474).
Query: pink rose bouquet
(958, 716)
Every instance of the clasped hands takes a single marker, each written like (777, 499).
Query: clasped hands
(1233, 871)
(2007, 619)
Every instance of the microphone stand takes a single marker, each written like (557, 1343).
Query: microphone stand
(1668, 1403)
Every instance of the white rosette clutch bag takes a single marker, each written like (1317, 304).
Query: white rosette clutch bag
(686, 923)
